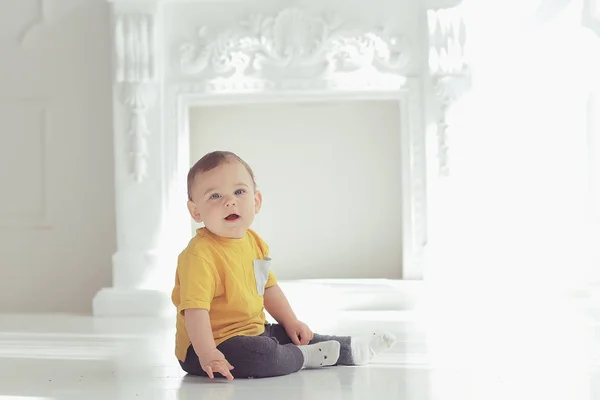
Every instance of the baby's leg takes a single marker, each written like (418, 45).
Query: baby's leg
(263, 357)
(354, 350)
(358, 350)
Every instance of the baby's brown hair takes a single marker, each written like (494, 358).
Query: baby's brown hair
(213, 160)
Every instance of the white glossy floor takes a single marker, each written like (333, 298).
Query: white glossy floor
(69, 357)
(65, 357)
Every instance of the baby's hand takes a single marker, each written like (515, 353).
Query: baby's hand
(214, 361)
(299, 332)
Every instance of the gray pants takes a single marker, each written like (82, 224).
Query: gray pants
(268, 355)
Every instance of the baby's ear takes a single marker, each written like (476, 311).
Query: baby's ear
(257, 201)
(194, 211)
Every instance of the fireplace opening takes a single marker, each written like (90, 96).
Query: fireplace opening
(331, 178)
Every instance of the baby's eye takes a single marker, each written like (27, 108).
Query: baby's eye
(214, 196)
(240, 191)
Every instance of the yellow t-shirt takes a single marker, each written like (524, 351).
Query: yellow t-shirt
(226, 277)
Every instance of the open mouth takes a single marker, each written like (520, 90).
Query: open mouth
(232, 217)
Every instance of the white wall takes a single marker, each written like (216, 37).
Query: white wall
(57, 230)
(326, 171)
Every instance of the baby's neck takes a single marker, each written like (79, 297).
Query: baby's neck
(227, 238)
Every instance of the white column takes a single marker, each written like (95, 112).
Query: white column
(138, 165)
(450, 79)
(449, 71)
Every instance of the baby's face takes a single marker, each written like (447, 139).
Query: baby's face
(225, 200)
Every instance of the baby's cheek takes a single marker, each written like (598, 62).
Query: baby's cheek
(210, 211)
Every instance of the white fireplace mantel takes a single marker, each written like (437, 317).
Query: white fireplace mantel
(171, 55)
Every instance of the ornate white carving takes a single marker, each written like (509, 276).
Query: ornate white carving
(449, 69)
(447, 90)
(295, 41)
(136, 73)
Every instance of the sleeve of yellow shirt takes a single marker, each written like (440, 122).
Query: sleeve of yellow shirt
(198, 280)
(272, 280)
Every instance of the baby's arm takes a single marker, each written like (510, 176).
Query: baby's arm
(199, 281)
(199, 330)
(198, 326)
(278, 306)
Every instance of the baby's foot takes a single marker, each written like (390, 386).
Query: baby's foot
(365, 348)
(322, 354)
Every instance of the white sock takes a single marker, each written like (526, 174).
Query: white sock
(322, 354)
(365, 348)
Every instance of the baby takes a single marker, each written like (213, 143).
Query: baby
(224, 283)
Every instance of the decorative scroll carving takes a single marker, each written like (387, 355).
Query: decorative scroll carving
(136, 73)
(449, 70)
(301, 43)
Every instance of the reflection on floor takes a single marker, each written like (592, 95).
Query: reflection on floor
(446, 357)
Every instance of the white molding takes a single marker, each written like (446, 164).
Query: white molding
(135, 77)
(293, 41)
(450, 71)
